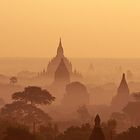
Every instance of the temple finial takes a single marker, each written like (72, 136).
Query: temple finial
(123, 75)
(60, 42)
(123, 78)
(60, 51)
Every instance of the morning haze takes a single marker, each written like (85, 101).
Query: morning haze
(104, 28)
(69, 70)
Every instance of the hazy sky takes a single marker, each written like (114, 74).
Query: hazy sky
(89, 28)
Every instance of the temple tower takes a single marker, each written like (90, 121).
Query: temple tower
(97, 121)
(123, 88)
(55, 61)
(62, 76)
(97, 133)
(122, 97)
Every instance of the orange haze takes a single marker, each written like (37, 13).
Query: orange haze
(98, 28)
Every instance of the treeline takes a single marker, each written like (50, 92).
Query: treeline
(24, 120)
(18, 132)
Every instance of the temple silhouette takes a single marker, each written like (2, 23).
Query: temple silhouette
(53, 64)
(97, 133)
(59, 73)
(62, 75)
(76, 94)
(122, 98)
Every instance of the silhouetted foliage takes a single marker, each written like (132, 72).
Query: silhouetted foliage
(112, 124)
(17, 133)
(76, 133)
(132, 133)
(97, 134)
(109, 129)
(34, 95)
(13, 80)
(25, 113)
(49, 132)
(23, 109)
(4, 124)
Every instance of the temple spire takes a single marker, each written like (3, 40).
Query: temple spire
(60, 51)
(97, 133)
(97, 121)
(123, 88)
(123, 77)
(60, 42)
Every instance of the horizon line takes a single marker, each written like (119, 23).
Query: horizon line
(85, 57)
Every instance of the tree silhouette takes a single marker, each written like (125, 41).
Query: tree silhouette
(17, 133)
(24, 109)
(132, 133)
(23, 113)
(13, 80)
(112, 126)
(34, 95)
(76, 133)
(49, 132)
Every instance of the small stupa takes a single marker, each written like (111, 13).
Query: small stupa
(97, 133)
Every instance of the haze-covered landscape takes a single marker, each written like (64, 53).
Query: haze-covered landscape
(80, 88)
(69, 70)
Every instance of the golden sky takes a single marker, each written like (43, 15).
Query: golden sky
(89, 28)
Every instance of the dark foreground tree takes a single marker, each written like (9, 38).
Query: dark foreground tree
(24, 109)
(76, 133)
(18, 133)
(49, 132)
(26, 114)
(109, 129)
(132, 133)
